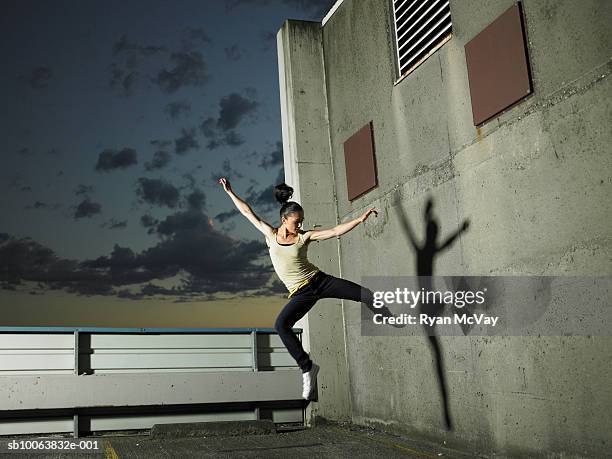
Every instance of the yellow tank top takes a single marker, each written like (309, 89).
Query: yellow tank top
(291, 262)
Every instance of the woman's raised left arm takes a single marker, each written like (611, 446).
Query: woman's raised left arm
(339, 230)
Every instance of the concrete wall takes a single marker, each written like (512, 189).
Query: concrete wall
(535, 183)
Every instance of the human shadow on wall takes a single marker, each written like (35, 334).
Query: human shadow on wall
(425, 258)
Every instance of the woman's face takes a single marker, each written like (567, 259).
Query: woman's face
(293, 222)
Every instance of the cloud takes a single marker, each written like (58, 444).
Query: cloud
(212, 261)
(208, 261)
(161, 143)
(223, 216)
(193, 37)
(190, 69)
(126, 46)
(124, 77)
(83, 190)
(149, 222)
(248, 156)
(233, 53)
(37, 205)
(227, 171)
(147, 290)
(233, 109)
(114, 224)
(122, 80)
(160, 160)
(157, 192)
(228, 227)
(187, 66)
(43, 205)
(187, 141)
(174, 109)
(190, 178)
(19, 258)
(39, 77)
(218, 138)
(112, 159)
(182, 221)
(263, 200)
(208, 127)
(196, 200)
(87, 209)
(274, 158)
(227, 168)
(233, 139)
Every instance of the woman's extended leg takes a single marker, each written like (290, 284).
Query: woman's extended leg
(293, 311)
(336, 287)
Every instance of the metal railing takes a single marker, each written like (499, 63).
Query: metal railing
(86, 379)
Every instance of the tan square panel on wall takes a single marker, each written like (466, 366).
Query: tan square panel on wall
(498, 65)
(360, 162)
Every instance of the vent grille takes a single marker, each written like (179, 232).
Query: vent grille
(421, 27)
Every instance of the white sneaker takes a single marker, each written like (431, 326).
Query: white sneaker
(310, 381)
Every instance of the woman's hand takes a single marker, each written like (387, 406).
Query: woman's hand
(365, 216)
(226, 184)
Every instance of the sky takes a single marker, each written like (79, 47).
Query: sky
(118, 117)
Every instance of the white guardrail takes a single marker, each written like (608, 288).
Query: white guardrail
(83, 380)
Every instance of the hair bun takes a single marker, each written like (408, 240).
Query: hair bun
(283, 193)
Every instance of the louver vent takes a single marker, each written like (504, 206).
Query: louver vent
(421, 27)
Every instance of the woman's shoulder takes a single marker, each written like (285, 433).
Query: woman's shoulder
(273, 235)
(305, 235)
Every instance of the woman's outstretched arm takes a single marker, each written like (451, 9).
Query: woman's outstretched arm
(338, 230)
(246, 210)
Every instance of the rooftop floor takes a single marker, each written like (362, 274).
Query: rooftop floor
(328, 440)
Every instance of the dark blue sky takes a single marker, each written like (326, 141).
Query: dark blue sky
(117, 116)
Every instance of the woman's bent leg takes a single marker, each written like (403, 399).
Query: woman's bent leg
(293, 311)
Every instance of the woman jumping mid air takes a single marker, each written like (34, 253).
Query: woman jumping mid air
(288, 246)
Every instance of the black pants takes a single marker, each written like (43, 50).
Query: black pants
(322, 285)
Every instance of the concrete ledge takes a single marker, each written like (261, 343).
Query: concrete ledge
(208, 429)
